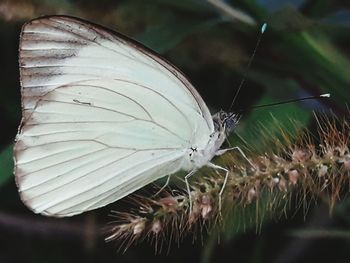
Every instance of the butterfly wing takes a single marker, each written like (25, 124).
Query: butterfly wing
(102, 116)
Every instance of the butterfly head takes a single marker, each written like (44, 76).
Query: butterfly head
(225, 121)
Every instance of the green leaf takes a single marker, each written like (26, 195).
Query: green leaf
(6, 164)
(192, 6)
(273, 5)
(330, 68)
(165, 37)
(288, 19)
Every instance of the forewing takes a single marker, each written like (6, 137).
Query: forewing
(58, 50)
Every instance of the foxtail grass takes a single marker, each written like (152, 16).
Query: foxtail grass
(298, 171)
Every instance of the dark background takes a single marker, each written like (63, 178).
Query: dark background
(305, 51)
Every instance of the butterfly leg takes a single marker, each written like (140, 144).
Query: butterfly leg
(217, 167)
(188, 187)
(164, 186)
(236, 148)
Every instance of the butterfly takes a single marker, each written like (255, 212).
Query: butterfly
(104, 116)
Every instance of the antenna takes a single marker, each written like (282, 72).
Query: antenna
(263, 29)
(322, 96)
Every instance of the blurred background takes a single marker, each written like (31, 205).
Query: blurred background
(305, 51)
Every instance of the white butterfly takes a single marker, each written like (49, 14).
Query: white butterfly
(102, 117)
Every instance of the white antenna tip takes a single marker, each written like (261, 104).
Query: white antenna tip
(326, 95)
(263, 28)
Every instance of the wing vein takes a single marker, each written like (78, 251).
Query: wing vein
(64, 122)
(62, 185)
(50, 155)
(101, 183)
(125, 184)
(93, 140)
(57, 27)
(53, 165)
(164, 97)
(89, 105)
(127, 97)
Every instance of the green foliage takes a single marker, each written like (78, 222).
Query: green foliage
(6, 164)
(163, 38)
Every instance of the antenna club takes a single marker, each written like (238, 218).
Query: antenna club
(263, 28)
(326, 95)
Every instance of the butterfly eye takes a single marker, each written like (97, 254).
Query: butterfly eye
(230, 123)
